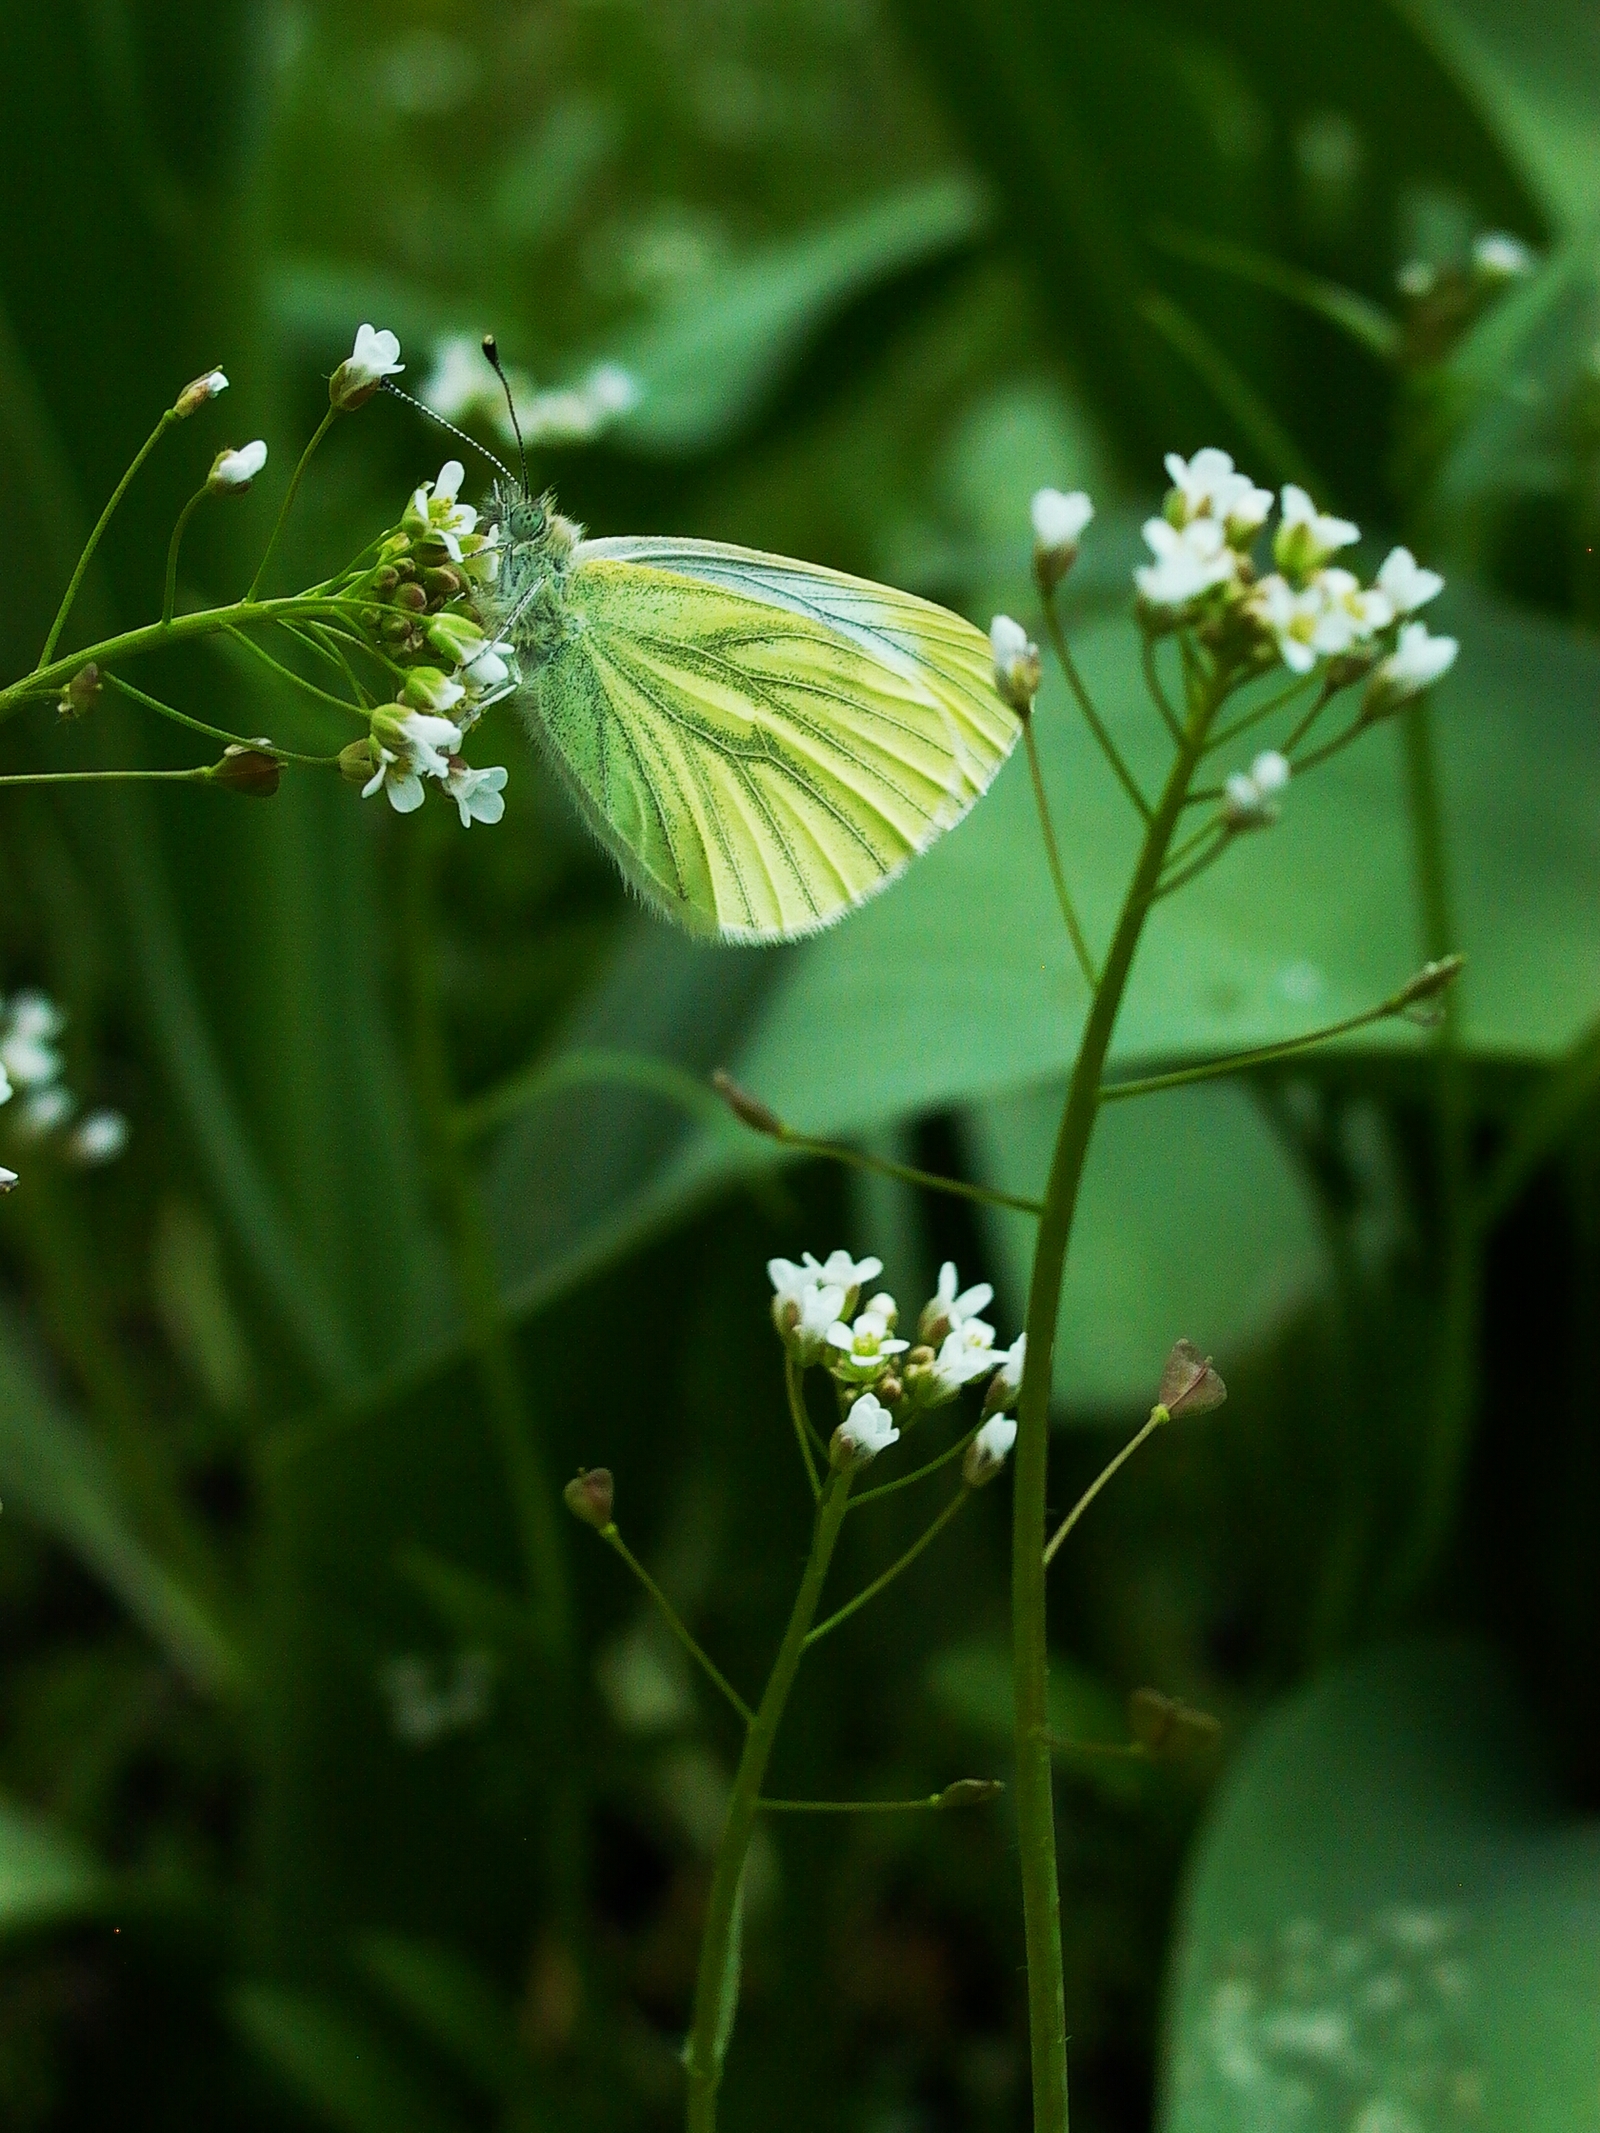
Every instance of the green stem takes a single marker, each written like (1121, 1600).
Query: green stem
(1035, 1794)
(288, 674)
(717, 1979)
(1106, 1473)
(851, 1607)
(1249, 719)
(201, 774)
(933, 1802)
(1238, 1062)
(215, 733)
(675, 1622)
(290, 494)
(1152, 681)
(1052, 852)
(794, 1385)
(918, 1473)
(1198, 865)
(881, 1166)
(169, 598)
(1108, 747)
(93, 542)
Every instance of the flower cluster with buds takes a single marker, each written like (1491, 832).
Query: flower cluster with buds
(31, 1068)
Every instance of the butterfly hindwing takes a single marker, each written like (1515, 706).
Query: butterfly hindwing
(762, 743)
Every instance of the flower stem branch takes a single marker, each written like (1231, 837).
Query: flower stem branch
(200, 774)
(717, 1978)
(288, 674)
(1108, 747)
(1152, 681)
(1052, 852)
(904, 1562)
(934, 1803)
(75, 583)
(289, 496)
(1220, 838)
(215, 733)
(1157, 1419)
(674, 1621)
(918, 1473)
(1248, 720)
(794, 1385)
(169, 597)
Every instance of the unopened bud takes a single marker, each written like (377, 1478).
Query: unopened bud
(8, 1180)
(890, 1391)
(971, 1792)
(358, 760)
(590, 1495)
(443, 584)
(385, 580)
(197, 392)
(249, 771)
(81, 694)
(747, 1109)
(1167, 1729)
(1189, 1385)
(988, 1451)
(1018, 669)
(1058, 523)
(232, 471)
(1430, 981)
(411, 596)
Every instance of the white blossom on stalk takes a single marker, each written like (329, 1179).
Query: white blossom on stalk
(1189, 562)
(411, 745)
(950, 1305)
(428, 689)
(851, 1275)
(866, 1430)
(1210, 486)
(232, 471)
(1058, 524)
(1498, 256)
(988, 1451)
(1018, 669)
(1351, 612)
(1007, 1380)
(1405, 584)
(863, 1353)
(804, 1306)
(435, 512)
(1416, 663)
(1307, 537)
(98, 1138)
(479, 794)
(197, 392)
(1250, 797)
(1290, 618)
(965, 1355)
(28, 1054)
(374, 357)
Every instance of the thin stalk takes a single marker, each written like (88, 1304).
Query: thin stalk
(932, 1804)
(1108, 747)
(92, 543)
(290, 494)
(201, 774)
(1263, 1055)
(675, 1622)
(1197, 866)
(299, 681)
(904, 1562)
(215, 733)
(169, 598)
(794, 1385)
(1249, 719)
(881, 1166)
(1106, 1473)
(1035, 1788)
(717, 1979)
(1152, 681)
(918, 1473)
(1052, 852)
(1324, 697)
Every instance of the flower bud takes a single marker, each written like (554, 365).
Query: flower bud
(1018, 669)
(197, 392)
(590, 1495)
(1058, 523)
(988, 1451)
(358, 760)
(1189, 1385)
(747, 1109)
(865, 1431)
(1167, 1729)
(81, 694)
(8, 1180)
(427, 689)
(249, 771)
(971, 1792)
(375, 356)
(232, 471)
(443, 583)
(411, 597)
(457, 636)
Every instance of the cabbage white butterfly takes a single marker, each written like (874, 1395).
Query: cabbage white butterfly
(760, 743)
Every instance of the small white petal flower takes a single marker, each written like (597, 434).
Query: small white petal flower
(421, 741)
(1270, 771)
(448, 486)
(28, 1055)
(988, 1451)
(1250, 796)
(1291, 618)
(1405, 584)
(1351, 612)
(427, 689)
(950, 1305)
(1498, 256)
(803, 1306)
(1058, 525)
(1306, 537)
(1416, 663)
(234, 471)
(866, 1431)
(491, 668)
(1017, 666)
(98, 1138)
(1189, 562)
(374, 357)
(8, 1179)
(395, 777)
(865, 1351)
(1007, 1382)
(44, 1110)
(478, 794)
(840, 1268)
(1209, 486)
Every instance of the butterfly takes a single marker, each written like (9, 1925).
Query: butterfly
(760, 743)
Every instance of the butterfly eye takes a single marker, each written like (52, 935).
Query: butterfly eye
(525, 521)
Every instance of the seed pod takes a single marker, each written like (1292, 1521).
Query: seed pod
(590, 1496)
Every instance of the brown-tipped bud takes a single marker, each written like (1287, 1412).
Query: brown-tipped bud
(445, 583)
(1430, 981)
(971, 1792)
(590, 1495)
(81, 694)
(385, 580)
(411, 595)
(1167, 1729)
(197, 392)
(747, 1109)
(1189, 1385)
(358, 760)
(249, 771)
(400, 630)
(890, 1391)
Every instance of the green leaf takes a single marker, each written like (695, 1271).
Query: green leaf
(45, 1877)
(1191, 1223)
(1387, 1927)
(340, 2066)
(52, 1470)
(709, 361)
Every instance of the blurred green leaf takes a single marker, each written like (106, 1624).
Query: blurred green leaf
(452, 2004)
(338, 2065)
(709, 360)
(54, 1472)
(45, 1878)
(1386, 1925)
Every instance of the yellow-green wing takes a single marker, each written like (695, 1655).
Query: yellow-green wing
(762, 743)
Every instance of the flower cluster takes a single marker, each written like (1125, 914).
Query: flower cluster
(420, 612)
(1307, 607)
(31, 1067)
(883, 1380)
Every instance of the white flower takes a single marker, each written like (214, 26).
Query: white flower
(867, 1430)
(1293, 619)
(575, 413)
(803, 1306)
(8, 1179)
(1058, 524)
(988, 1451)
(375, 356)
(1498, 256)
(1209, 486)
(479, 794)
(427, 689)
(848, 1273)
(44, 1109)
(1188, 562)
(1417, 661)
(435, 513)
(491, 667)
(1017, 667)
(1351, 612)
(864, 1351)
(1007, 1380)
(28, 1055)
(233, 471)
(396, 778)
(1405, 584)
(1306, 537)
(964, 1356)
(99, 1138)
(197, 392)
(950, 1305)
(456, 635)
(411, 745)
(1249, 796)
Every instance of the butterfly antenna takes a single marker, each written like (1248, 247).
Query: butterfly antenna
(433, 415)
(491, 351)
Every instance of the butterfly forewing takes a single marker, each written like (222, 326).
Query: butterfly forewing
(762, 743)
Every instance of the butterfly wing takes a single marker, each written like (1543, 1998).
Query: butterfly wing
(762, 743)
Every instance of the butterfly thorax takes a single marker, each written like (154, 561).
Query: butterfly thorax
(529, 601)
